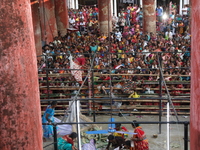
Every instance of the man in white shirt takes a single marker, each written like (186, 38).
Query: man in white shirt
(71, 22)
(82, 25)
(146, 52)
(169, 34)
(185, 11)
(118, 35)
(174, 27)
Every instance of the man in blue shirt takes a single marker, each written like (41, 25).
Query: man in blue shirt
(160, 13)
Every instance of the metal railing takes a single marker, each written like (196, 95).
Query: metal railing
(185, 123)
(160, 98)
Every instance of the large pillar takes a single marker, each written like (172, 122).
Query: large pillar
(61, 15)
(112, 9)
(180, 7)
(76, 6)
(105, 18)
(195, 78)
(48, 20)
(141, 4)
(20, 113)
(72, 4)
(115, 7)
(36, 26)
(149, 18)
(69, 3)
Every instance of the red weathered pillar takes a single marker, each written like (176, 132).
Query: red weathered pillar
(105, 18)
(149, 18)
(61, 15)
(36, 26)
(20, 113)
(48, 20)
(195, 77)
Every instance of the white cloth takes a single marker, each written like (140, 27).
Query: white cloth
(117, 148)
(118, 66)
(89, 146)
(64, 129)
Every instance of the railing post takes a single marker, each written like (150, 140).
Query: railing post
(55, 137)
(160, 92)
(47, 76)
(94, 113)
(89, 95)
(186, 136)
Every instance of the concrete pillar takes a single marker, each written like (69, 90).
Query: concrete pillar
(77, 6)
(105, 19)
(149, 18)
(61, 16)
(69, 3)
(48, 20)
(195, 77)
(115, 7)
(180, 7)
(72, 4)
(141, 4)
(112, 9)
(20, 113)
(155, 4)
(36, 26)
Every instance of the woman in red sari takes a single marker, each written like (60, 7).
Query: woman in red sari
(140, 140)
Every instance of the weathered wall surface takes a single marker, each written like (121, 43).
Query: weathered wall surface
(20, 115)
(105, 21)
(149, 18)
(61, 16)
(195, 78)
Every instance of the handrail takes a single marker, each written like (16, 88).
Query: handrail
(99, 74)
(49, 54)
(185, 123)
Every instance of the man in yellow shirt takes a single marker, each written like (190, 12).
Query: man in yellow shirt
(118, 127)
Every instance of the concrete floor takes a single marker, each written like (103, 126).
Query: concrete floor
(159, 143)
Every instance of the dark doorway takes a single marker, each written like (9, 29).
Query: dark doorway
(166, 2)
(87, 2)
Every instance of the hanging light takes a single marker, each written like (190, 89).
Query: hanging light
(165, 16)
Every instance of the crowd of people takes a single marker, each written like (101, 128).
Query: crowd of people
(126, 53)
(127, 50)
